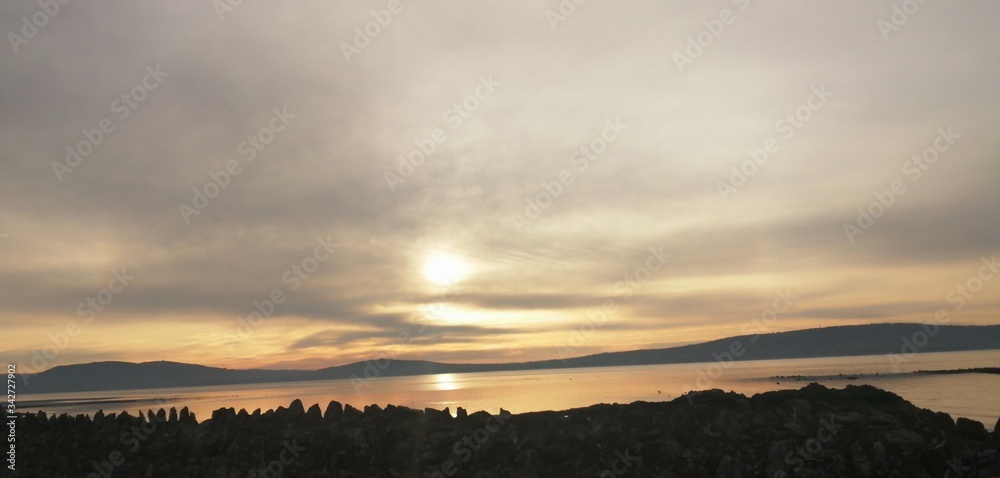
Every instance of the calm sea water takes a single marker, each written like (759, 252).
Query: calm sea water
(972, 396)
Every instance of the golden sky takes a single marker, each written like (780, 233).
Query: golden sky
(309, 184)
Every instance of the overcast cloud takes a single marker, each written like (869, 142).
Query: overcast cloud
(546, 232)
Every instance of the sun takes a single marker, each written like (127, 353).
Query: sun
(445, 269)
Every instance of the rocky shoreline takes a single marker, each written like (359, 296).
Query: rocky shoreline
(813, 378)
(858, 431)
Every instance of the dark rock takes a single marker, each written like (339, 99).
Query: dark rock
(352, 413)
(334, 411)
(777, 452)
(223, 415)
(437, 416)
(555, 454)
(704, 397)
(729, 467)
(296, 409)
(814, 432)
(996, 432)
(797, 429)
(477, 418)
(904, 438)
(527, 458)
(972, 429)
(945, 421)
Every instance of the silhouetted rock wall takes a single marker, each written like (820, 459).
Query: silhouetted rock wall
(859, 431)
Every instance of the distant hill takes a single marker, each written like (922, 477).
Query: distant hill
(132, 376)
(842, 341)
(874, 339)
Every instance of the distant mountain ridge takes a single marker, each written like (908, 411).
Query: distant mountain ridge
(837, 341)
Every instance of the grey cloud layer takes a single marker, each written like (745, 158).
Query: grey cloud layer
(324, 174)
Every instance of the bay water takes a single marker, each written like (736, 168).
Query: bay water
(970, 395)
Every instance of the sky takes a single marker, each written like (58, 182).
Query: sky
(307, 184)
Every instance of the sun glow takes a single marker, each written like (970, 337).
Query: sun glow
(445, 382)
(444, 269)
